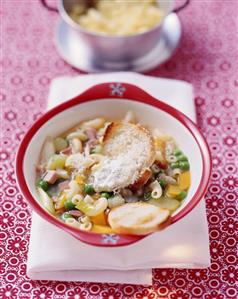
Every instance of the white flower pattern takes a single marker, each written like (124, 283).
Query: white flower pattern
(110, 238)
(117, 89)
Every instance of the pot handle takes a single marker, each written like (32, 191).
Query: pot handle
(177, 9)
(46, 5)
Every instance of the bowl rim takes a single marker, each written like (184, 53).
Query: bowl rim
(99, 92)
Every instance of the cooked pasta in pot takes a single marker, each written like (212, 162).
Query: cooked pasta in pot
(119, 18)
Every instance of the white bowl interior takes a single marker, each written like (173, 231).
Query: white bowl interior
(114, 110)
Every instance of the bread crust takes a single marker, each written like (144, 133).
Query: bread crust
(142, 180)
(137, 218)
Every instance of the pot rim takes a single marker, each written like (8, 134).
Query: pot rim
(65, 16)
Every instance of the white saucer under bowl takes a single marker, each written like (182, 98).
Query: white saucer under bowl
(74, 50)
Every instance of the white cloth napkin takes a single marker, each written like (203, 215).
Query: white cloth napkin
(55, 255)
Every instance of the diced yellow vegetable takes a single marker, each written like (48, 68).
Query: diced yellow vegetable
(173, 190)
(79, 179)
(56, 161)
(170, 204)
(161, 141)
(60, 144)
(60, 202)
(184, 180)
(99, 219)
(94, 209)
(84, 207)
(100, 229)
(159, 145)
(46, 201)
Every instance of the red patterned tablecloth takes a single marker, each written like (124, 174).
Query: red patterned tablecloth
(207, 57)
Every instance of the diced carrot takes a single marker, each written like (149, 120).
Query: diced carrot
(184, 180)
(79, 179)
(99, 219)
(160, 142)
(173, 190)
(161, 164)
(100, 229)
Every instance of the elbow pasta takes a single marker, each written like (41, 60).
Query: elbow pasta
(86, 226)
(76, 145)
(102, 130)
(78, 134)
(156, 193)
(156, 190)
(95, 123)
(88, 199)
(130, 117)
(72, 222)
(176, 171)
(77, 198)
(74, 189)
(171, 158)
(84, 219)
(85, 223)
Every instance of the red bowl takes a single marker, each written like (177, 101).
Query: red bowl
(113, 100)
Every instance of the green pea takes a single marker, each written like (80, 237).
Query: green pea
(65, 216)
(106, 195)
(181, 195)
(147, 196)
(184, 165)
(43, 185)
(69, 205)
(174, 165)
(178, 152)
(88, 189)
(182, 158)
(162, 183)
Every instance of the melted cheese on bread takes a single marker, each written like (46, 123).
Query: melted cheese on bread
(128, 150)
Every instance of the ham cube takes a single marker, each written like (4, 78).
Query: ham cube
(91, 133)
(64, 185)
(51, 176)
(67, 151)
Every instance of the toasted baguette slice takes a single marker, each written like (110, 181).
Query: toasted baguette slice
(129, 151)
(136, 218)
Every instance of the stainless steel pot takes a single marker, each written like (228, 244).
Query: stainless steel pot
(115, 52)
